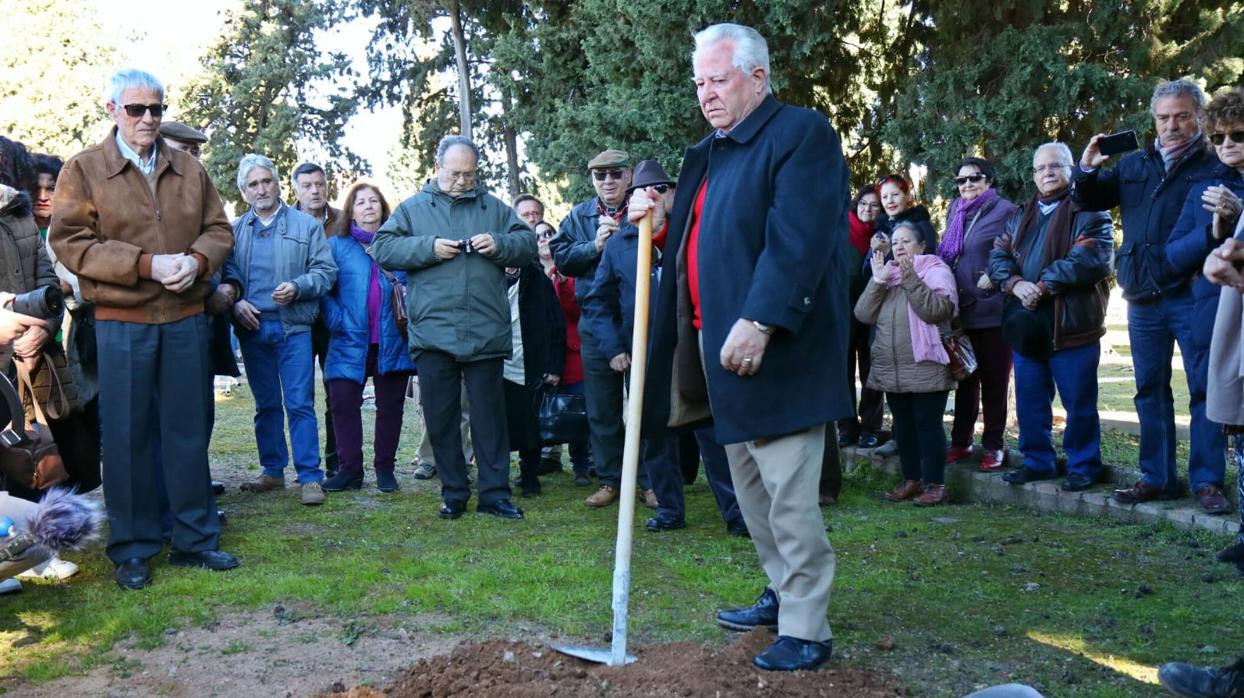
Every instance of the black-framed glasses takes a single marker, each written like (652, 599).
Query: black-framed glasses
(135, 111)
(974, 178)
(601, 175)
(545, 234)
(1220, 138)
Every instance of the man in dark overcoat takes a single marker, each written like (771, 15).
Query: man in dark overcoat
(750, 327)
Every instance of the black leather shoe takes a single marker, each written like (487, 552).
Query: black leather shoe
(1232, 553)
(451, 510)
(868, 441)
(343, 480)
(1024, 475)
(502, 508)
(793, 654)
(207, 559)
(665, 522)
(220, 514)
(134, 573)
(738, 528)
(763, 613)
(386, 481)
(1077, 482)
(218, 487)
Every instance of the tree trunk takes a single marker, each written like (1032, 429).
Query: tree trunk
(464, 77)
(510, 137)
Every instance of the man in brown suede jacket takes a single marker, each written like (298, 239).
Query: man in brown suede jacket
(143, 228)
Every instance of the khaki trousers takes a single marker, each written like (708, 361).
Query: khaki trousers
(777, 484)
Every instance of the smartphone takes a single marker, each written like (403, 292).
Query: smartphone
(1115, 143)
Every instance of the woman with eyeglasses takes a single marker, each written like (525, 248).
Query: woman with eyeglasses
(1208, 218)
(974, 222)
(862, 219)
(364, 341)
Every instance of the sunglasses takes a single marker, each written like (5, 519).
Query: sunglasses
(601, 175)
(661, 188)
(137, 110)
(545, 234)
(1220, 138)
(973, 178)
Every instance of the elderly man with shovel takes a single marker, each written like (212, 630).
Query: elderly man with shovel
(751, 316)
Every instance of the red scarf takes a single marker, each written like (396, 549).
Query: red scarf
(860, 232)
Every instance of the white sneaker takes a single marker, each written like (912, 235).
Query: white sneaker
(52, 568)
(10, 586)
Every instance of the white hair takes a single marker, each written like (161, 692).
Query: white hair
(1064, 153)
(249, 162)
(128, 79)
(750, 49)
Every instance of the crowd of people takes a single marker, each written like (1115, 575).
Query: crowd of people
(774, 292)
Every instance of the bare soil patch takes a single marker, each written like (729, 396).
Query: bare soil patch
(526, 670)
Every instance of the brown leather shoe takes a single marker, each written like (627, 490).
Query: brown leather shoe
(1211, 500)
(905, 491)
(1139, 492)
(931, 497)
(263, 483)
(603, 497)
(649, 498)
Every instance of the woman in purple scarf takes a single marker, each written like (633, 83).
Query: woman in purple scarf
(975, 221)
(364, 341)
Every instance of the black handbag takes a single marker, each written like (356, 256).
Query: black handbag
(562, 416)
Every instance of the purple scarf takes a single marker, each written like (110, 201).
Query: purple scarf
(361, 235)
(373, 286)
(952, 243)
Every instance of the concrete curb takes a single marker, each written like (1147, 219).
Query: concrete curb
(966, 483)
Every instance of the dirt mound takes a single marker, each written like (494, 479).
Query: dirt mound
(523, 670)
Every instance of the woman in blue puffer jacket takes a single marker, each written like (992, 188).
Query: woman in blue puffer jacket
(364, 341)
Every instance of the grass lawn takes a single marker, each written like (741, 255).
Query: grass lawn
(970, 595)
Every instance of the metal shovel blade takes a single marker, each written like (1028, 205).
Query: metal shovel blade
(600, 655)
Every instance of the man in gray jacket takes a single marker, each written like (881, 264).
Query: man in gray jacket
(454, 241)
(279, 268)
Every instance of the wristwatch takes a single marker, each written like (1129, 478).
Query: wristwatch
(762, 328)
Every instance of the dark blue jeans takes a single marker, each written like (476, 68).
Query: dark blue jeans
(1153, 328)
(1073, 372)
(141, 366)
(717, 472)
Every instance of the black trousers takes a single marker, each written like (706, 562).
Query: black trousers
(871, 402)
(441, 378)
(319, 349)
(603, 388)
(170, 362)
(920, 434)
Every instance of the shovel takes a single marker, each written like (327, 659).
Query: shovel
(616, 655)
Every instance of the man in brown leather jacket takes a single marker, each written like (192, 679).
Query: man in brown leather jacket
(143, 228)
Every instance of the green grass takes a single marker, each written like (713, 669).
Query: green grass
(947, 585)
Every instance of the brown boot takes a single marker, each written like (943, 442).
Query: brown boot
(905, 491)
(603, 497)
(931, 497)
(263, 483)
(649, 498)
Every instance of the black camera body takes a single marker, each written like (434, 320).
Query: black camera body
(45, 303)
(466, 246)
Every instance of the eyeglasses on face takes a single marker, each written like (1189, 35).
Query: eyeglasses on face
(135, 111)
(973, 178)
(545, 234)
(601, 175)
(1220, 138)
(1051, 167)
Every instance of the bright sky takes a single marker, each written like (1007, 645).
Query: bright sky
(167, 38)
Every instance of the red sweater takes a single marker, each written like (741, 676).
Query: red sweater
(693, 257)
(573, 371)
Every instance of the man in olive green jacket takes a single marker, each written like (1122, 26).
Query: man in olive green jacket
(454, 241)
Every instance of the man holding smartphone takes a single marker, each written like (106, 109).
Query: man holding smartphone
(1149, 186)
